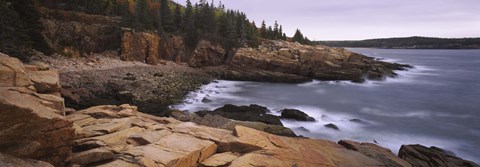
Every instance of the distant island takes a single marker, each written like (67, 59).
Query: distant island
(408, 43)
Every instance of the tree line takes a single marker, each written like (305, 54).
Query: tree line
(409, 43)
(202, 20)
(21, 28)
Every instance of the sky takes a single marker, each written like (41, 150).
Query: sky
(365, 19)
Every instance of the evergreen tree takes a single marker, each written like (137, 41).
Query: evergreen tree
(178, 17)
(270, 32)
(191, 35)
(143, 19)
(263, 30)
(253, 35)
(298, 37)
(166, 17)
(275, 31)
(30, 18)
(13, 36)
(280, 33)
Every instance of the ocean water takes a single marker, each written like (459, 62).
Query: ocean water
(435, 104)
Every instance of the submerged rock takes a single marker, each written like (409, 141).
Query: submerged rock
(296, 115)
(332, 126)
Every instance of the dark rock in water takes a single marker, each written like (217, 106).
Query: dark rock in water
(296, 115)
(215, 81)
(419, 155)
(253, 113)
(259, 108)
(332, 126)
(206, 100)
(359, 121)
(358, 80)
(303, 129)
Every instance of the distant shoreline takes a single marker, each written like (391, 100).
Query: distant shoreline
(407, 43)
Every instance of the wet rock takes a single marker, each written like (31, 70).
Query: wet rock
(296, 115)
(251, 113)
(303, 129)
(206, 100)
(332, 126)
(419, 155)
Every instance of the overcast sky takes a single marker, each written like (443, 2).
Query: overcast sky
(365, 19)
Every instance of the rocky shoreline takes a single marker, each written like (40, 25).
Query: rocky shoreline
(39, 131)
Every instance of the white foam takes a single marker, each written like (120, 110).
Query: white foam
(213, 91)
(310, 84)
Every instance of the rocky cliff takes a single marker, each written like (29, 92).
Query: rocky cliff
(151, 48)
(315, 62)
(35, 132)
(75, 34)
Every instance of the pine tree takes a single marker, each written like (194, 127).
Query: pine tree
(191, 35)
(280, 33)
(30, 17)
(298, 37)
(143, 19)
(13, 36)
(270, 32)
(166, 15)
(263, 30)
(178, 17)
(253, 35)
(275, 31)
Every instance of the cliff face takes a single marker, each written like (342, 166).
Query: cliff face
(74, 33)
(151, 48)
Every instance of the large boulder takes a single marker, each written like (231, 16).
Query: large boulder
(31, 127)
(285, 151)
(419, 155)
(12, 72)
(296, 115)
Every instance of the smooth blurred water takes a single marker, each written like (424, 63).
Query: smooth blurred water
(435, 104)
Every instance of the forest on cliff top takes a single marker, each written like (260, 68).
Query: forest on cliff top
(21, 30)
